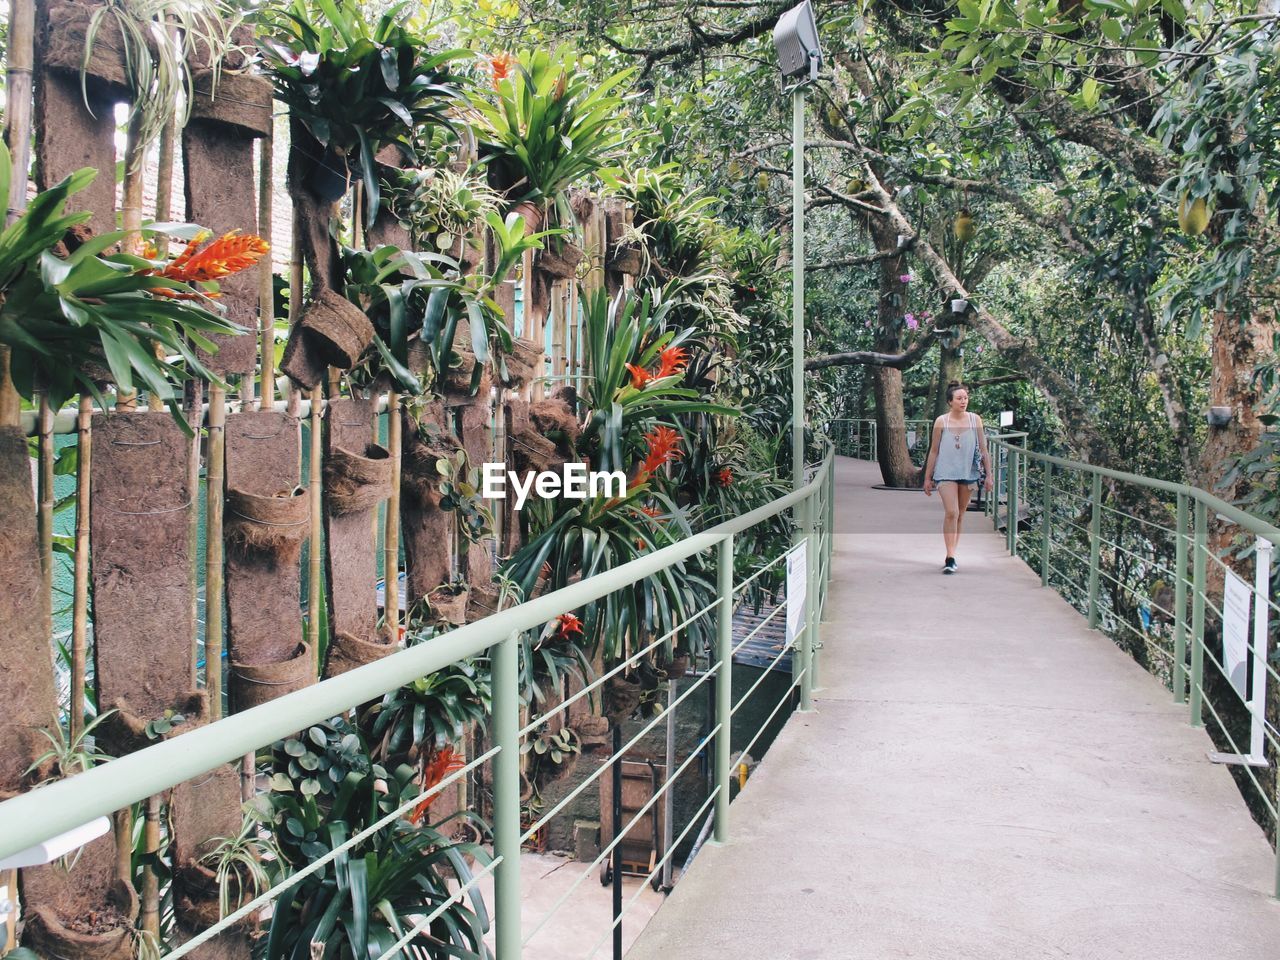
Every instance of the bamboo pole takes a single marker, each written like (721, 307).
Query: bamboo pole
(315, 600)
(391, 530)
(150, 880)
(80, 568)
(266, 294)
(213, 582)
(44, 495)
(195, 416)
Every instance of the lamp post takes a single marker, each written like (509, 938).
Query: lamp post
(795, 37)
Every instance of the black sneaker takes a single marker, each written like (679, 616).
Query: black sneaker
(950, 565)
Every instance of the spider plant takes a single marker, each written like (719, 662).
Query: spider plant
(439, 206)
(358, 87)
(239, 864)
(159, 73)
(549, 125)
(69, 755)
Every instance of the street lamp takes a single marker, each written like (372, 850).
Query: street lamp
(795, 37)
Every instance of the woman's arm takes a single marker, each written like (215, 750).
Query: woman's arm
(933, 457)
(981, 438)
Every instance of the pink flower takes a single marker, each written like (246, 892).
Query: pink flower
(905, 278)
(924, 316)
(867, 324)
(978, 348)
(912, 322)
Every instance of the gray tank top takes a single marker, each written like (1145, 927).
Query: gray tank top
(956, 453)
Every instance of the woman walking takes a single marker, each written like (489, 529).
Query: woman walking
(958, 461)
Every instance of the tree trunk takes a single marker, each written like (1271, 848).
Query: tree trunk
(891, 424)
(950, 367)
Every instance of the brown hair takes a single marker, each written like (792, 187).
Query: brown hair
(953, 386)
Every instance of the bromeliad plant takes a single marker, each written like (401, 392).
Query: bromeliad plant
(371, 895)
(355, 87)
(143, 319)
(422, 297)
(548, 125)
(440, 206)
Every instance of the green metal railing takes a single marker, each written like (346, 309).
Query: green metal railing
(859, 438)
(59, 807)
(1151, 580)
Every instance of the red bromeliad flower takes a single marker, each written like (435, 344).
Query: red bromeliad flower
(442, 763)
(651, 511)
(640, 377)
(671, 361)
(664, 445)
(501, 66)
(229, 254)
(724, 477)
(566, 624)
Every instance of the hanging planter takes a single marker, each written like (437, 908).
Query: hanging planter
(270, 529)
(448, 604)
(332, 331)
(521, 362)
(354, 483)
(253, 684)
(622, 697)
(102, 935)
(561, 262)
(626, 258)
(347, 652)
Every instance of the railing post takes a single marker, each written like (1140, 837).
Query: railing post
(1046, 522)
(1197, 611)
(1011, 534)
(1180, 606)
(724, 686)
(806, 635)
(811, 597)
(1095, 548)
(506, 796)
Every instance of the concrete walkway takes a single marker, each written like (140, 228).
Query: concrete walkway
(983, 777)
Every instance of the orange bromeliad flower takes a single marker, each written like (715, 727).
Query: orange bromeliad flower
(501, 66)
(640, 377)
(651, 511)
(671, 361)
(664, 445)
(566, 624)
(443, 763)
(229, 254)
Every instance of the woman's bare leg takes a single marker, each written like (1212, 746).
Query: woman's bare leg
(951, 518)
(962, 504)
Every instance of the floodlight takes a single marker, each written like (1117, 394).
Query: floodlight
(795, 37)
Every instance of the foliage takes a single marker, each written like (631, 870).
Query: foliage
(441, 206)
(549, 125)
(69, 755)
(435, 710)
(459, 489)
(159, 74)
(371, 895)
(64, 317)
(238, 865)
(357, 87)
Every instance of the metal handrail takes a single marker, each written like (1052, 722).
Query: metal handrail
(1192, 508)
(59, 807)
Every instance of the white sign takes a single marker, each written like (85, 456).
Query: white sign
(1006, 418)
(911, 439)
(797, 586)
(1235, 632)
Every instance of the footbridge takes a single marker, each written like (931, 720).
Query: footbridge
(985, 776)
